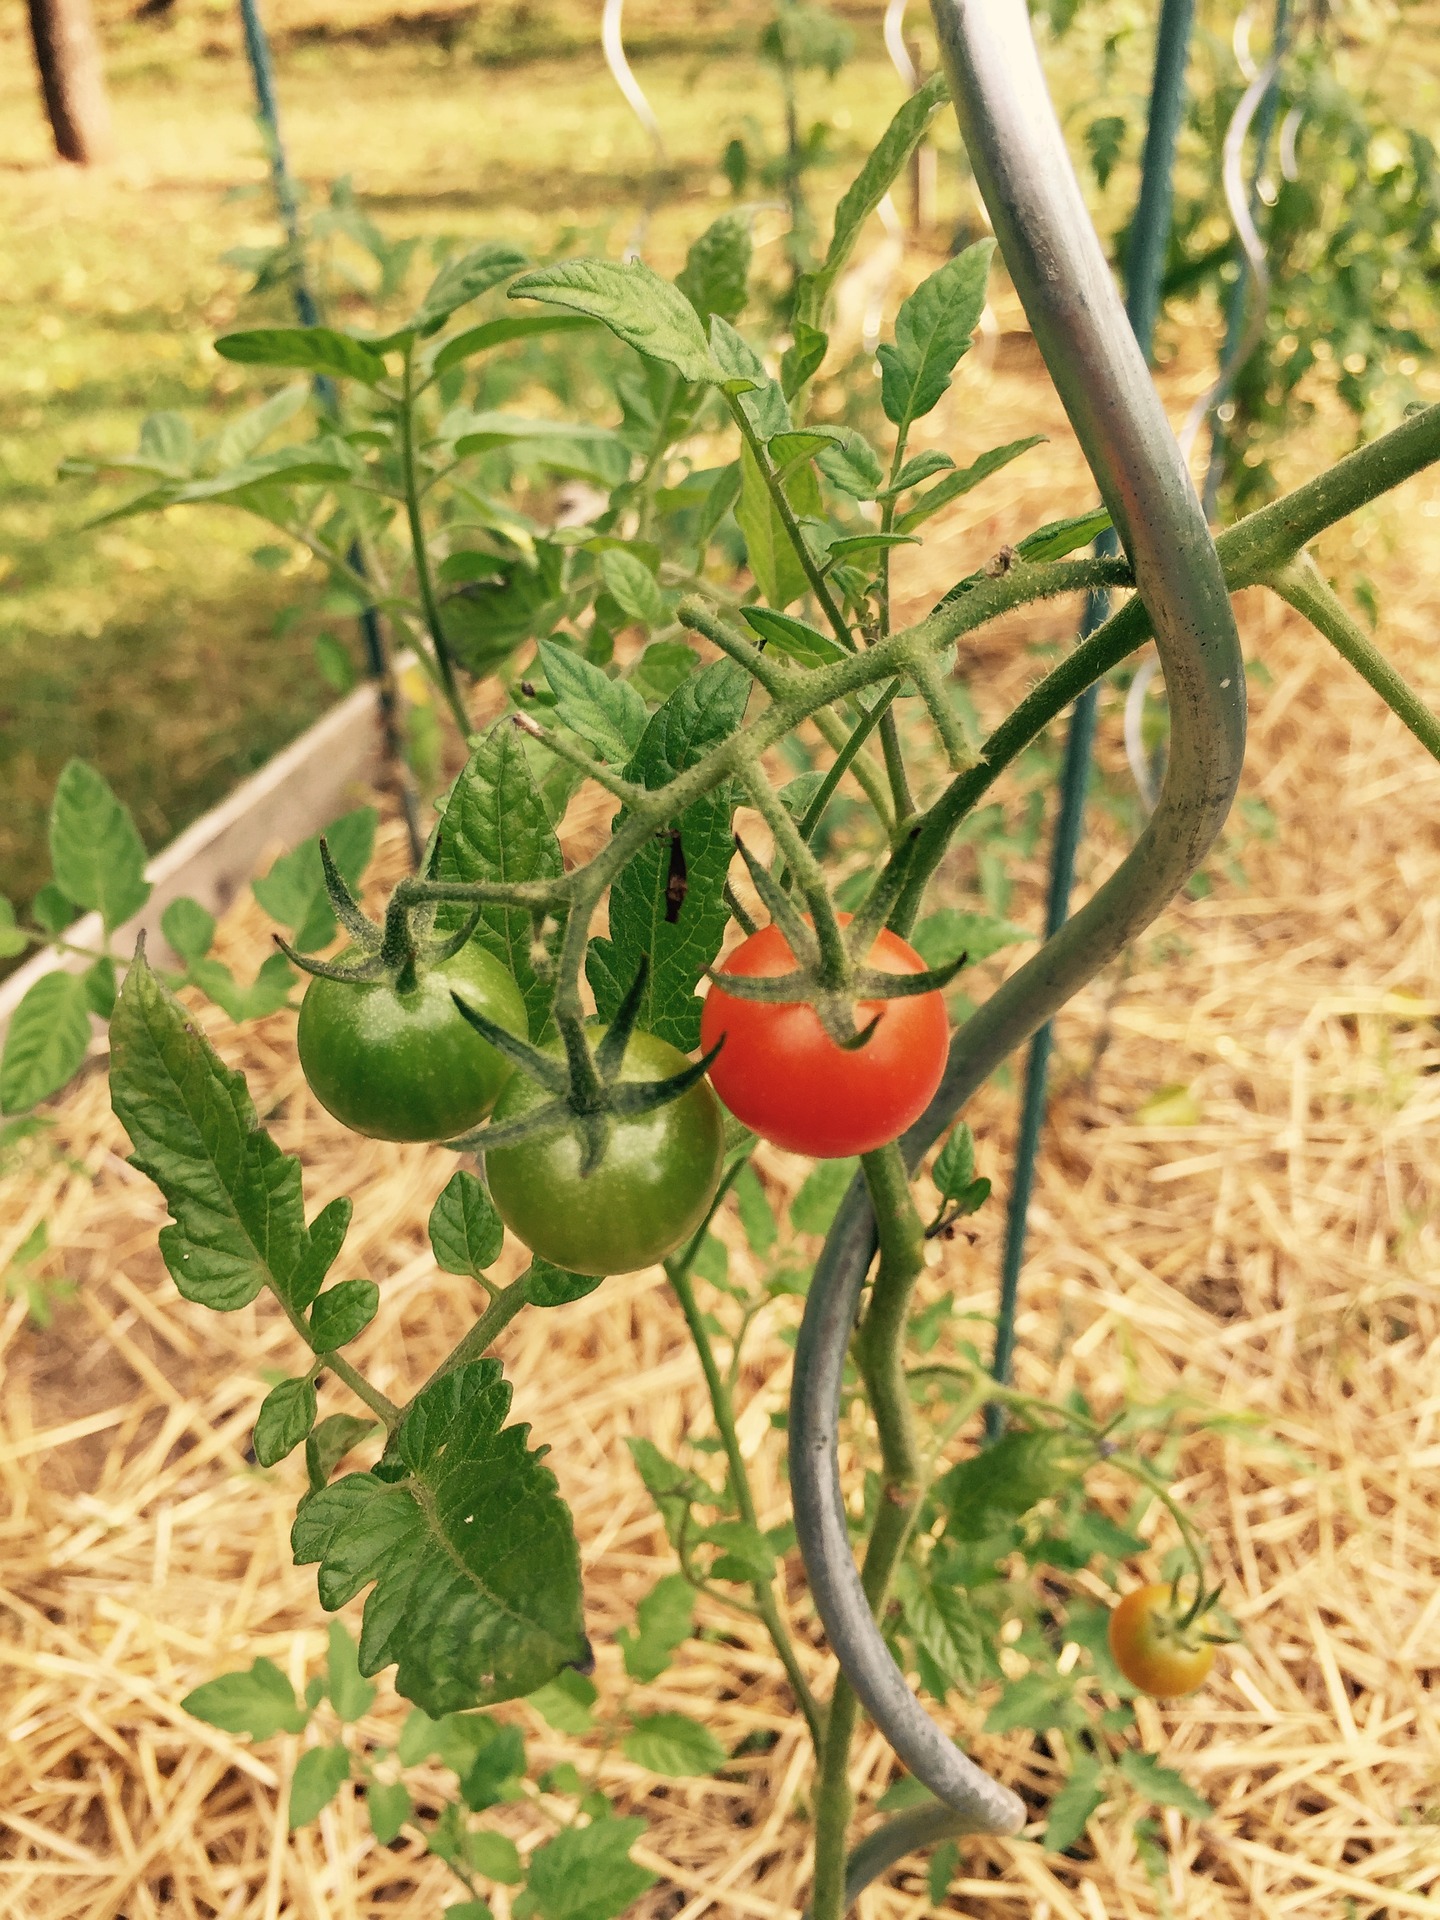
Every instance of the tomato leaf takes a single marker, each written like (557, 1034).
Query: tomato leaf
(566, 1703)
(293, 891)
(586, 1873)
(287, 1413)
(638, 307)
(716, 273)
(329, 1443)
(1059, 537)
(189, 928)
(472, 1554)
(705, 710)
(1163, 1785)
(313, 349)
(236, 1200)
(95, 850)
(943, 1622)
(342, 1312)
(865, 193)
(389, 1807)
(673, 1488)
(260, 1702)
(932, 333)
(1073, 1805)
(793, 637)
(1037, 1701)
(46, 1041)
(12, 940)
(466, 1233)
(495, 827)
(818, 1200)
(496, 333)
(461, 281)
(956, 484)
(1006, 1480)
(551, 1286)
(673, 1744)
(664, 1620)
(351, 1695)
(608, 713)
(632, 586)
(319, 1775)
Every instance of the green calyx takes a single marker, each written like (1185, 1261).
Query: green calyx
(395, 951)
(588, 1094)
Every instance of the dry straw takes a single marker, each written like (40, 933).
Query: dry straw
(1269, 1252)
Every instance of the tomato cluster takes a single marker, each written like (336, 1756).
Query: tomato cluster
(403, 1064)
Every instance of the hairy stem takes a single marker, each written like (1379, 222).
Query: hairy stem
(760, 453)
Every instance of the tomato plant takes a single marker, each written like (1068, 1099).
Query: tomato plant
(396, 1059)
(650, 1190)
(1158, 1646)
(782, 1074)
(635, 658)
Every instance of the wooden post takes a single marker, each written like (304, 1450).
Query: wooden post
(67, 53)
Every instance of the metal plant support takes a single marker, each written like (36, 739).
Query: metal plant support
(1144, 274)
(307, 312)
(1024, 175)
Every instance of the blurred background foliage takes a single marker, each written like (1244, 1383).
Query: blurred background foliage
(179, 653)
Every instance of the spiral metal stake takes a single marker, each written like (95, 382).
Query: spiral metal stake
(307, 312)
(612, 45)
(1024, 174)
(1144, 274)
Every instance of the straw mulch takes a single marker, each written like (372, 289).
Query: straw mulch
(1272, 1255)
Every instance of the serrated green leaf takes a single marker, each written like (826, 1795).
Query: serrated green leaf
(932, 332)
(707, 709)
(745, 1553)
(743, 373)
(287, 1413)
(495, 827)
(1037, 1701)
(794, 638)
(716, 273)
(351, 1695)
(239, 1220)
(266, 993)
(954, 1167)
(663, 668)
(1006, 1480)
(167, 443)
(389, 1807)
(189, 929)
(1059, 537)
(342, 1312)
(607, 713)
(818, 1200)
(638, 307)
(476, 1572)
(97, 855)
(865, 193)
(551, 1286)
(46, 1041)
(1162, 1785)
(672, 1487)
(566, 1703)
(461, 281)
(632, 586)
(293, 891)
(955, 484)
(586, 1873)
(498, 1761)
(313, 349)
(331, 1440)
(852, 464)
(1073, 1805)
(319, 1775)
(495, 333)
(664, 1620)
(673, 1744)
(943, 1622)
(260, 1702)
(466, 1233)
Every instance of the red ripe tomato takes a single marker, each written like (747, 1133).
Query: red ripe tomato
(782, 1074)
(1151, 1647)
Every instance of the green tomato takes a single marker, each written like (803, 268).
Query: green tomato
(407, 1066)
(648, 1194)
